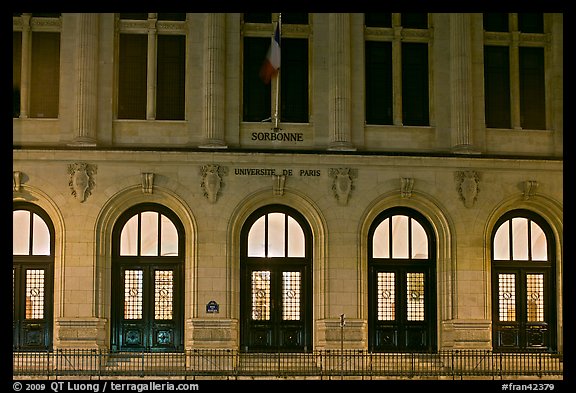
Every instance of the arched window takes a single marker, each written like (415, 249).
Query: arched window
(147, 280)
(276, 265)
(523, 300)
(32, 274)
(401, 282)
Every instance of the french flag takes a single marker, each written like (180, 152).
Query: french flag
(272, 62)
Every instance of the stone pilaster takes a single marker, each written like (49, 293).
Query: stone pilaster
(86, 80)
(214, 81)
(339, 90)
(461, 83)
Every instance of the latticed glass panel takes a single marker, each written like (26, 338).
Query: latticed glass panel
(415, 296)
(133, 288)
(261, 295)
(535, 297)
(386, 296)
(507, 297)
(35, 294)
(291, 285)
(163, 294)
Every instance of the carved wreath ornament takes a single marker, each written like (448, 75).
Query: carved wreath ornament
(468, 187)
(81, 180)
(212, 180)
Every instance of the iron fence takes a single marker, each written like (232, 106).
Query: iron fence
(457, 364)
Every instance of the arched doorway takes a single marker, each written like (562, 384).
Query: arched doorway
(401, 282)
(276, 281)
(147, 280)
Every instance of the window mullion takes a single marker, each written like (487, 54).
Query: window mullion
(152, 67)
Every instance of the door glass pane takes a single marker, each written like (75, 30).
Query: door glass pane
(169, 241)
(381, 240)
(163, 294)
(256, 238)
(415, 296)
(386, 296)
(276, 234)
(149, 233)
(291, 296)
(133, 288)
(261, 295)
(506, 297)
(419, 241)
(295, 239)
(35, 294)
(21, 232)
(40, 237)
(519, 239)
(502, 242)
(535, 297)
(129, 237)
(539, 244)
(399, 237)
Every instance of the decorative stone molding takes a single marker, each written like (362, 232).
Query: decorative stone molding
(343, 183)
(278, 184)
(16, 181)
(530, 187)
(212, 180)
(147, 182)
(406, 186)
(81, 180)
(468, 189)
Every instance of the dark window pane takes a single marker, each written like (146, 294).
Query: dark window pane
(496, 21)
(295, 18)
(294, 81)
(497, 86)
(378, 82)
(132, 76)
(134, 15)
(256, 94)
(172, 16)
(531, 22)
(532, 88)
(415, 84)
(16, 71)
(46, 14)
(171, 77)
(378, 19)
(414, 20)
(45, 75)
(257, 17)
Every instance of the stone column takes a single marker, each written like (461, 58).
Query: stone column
(214, 81)
(86, 80)
(339, 90)
(25, 73)
(461, 83)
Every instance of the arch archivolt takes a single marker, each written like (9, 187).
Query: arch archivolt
(105, 221)
(317, 224)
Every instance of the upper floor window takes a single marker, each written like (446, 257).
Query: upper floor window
(36, 65)
(286, 95)
(396, 68)
(514, 70)
(151, 66)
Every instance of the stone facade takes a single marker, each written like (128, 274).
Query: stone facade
(459, 174)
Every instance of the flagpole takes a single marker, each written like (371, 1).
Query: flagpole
(278, 77)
